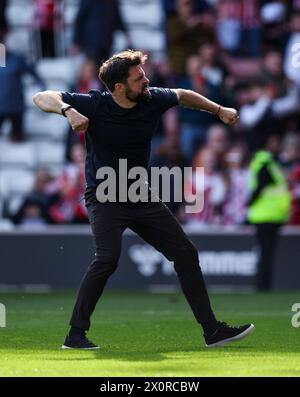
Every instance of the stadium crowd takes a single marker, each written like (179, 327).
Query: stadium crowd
(239, 53)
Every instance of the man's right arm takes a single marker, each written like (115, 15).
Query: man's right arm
(193, 100)
(52, 102)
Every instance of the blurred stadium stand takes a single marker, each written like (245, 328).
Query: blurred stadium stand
(46, 133)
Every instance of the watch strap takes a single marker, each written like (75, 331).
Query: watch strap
(64, 108)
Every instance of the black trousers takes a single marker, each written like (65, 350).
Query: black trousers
(266, 236)
(158, 227)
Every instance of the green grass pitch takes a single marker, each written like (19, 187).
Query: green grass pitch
(143, 334)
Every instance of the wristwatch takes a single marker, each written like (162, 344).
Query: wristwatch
(64, 108)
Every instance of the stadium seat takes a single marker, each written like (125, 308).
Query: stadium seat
(15, 180)
(49, 153)
(137, 13)
(14, 203)
(19, 13)
(6, 225)
(45, 126)
(19, 40)
(59, 69)
(146, 33)
(70, 13)
(17, 154)
(152, 40)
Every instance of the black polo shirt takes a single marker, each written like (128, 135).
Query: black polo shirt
(117, 133)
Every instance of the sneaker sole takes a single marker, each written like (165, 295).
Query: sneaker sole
(79, 348)
(223, 342)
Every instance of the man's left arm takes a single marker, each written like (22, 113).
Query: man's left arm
(193, 100)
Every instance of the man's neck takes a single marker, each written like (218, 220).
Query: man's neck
(123, 101)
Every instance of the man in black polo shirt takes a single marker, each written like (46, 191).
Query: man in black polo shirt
(120, 124)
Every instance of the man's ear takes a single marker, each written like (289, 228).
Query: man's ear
(119, 87)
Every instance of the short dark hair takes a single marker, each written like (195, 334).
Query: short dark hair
(116, 69)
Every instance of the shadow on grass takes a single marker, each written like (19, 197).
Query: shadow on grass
(140, 343)
(105, 354)
(50, 350)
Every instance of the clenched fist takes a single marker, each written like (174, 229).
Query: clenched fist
(77, 121)
(228, 115)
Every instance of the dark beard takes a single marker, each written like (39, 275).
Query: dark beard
(141, 97)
